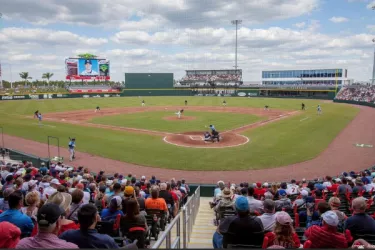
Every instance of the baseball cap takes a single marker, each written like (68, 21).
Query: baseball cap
(265, 184)
(116, 201)
(80, 186)
(242, 204)
(283, 218)
(86, 62)
(282, 192)
(310, 199)
(259, 184)
(129, 190)
(9, 178)
(32, 183)
(55, 181)
(10, 235)
(330, 218)
(143, 177)
(49, 214)
(304, 193)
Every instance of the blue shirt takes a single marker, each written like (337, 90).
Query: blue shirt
(89, 239)
(360, 224)
(212, 128)
(72, 144)
(108, 215)
(19, 219)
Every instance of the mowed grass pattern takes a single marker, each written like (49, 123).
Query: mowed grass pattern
(281, 143)
(155, 121)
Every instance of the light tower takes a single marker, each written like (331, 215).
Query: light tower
(373, 66)
(236, 22)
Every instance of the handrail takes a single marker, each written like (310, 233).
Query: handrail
(184, 219)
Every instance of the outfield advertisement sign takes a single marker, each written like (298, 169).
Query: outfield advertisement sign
(55, 96)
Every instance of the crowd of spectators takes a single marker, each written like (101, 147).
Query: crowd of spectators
(213, 78)
(332, 212)
(65, 207)
(357, 93)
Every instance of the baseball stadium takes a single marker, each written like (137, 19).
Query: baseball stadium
(211, 159)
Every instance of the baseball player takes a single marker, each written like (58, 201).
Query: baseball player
(266, 107)
(224, 103)
(303, 106)
(36, 114)
(319, 109)
(88, 69)
(40, 118)
(72, 145)
(143, 103)
(215, 135)
(207, 136)
(97, 109)
(212, 127)
(179, 113)
(185, 102)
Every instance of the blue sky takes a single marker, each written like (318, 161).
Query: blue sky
(172, 36)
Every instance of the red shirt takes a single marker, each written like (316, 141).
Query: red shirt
(174, 196)
(67, 227)
(333, 188)
(272, 240)
(325, 237)
(260, 192)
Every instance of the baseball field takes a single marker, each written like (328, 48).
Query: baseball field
(252, 138)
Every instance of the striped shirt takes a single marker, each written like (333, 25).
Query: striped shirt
(326, 237)
(45, 240)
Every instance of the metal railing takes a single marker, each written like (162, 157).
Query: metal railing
(185, 219)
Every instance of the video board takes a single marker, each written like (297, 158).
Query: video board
(87, 69)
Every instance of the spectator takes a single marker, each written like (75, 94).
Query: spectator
(226, 200)
(9, 182)
(283, 233)
(269, 217)
(116, 192)
(301, 202)
(259, 190)
(334, 204)
(32, 201)
(6, 193)
(63, 200)
(15, 216)
(155, 202)
(132, 218)
(327, 235)
(293, 188)
(217, 193)
(87, 236)
(316, 220)
(255, 206)
(86, 195)
(49, 222)
(9, 235)
(344, 187)
(141, 200)
(359, 223)
(100, 196)
(77, 202)
(128, 194)
(110, 214)
(51, 189)
(240, 229)
(167, 197)
(284, 202)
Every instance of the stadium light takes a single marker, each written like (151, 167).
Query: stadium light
(236, 22)
(373, 66)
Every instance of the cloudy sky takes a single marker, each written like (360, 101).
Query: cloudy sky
(175, 35)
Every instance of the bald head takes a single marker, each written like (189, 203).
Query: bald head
(163, 186)
(359, 205)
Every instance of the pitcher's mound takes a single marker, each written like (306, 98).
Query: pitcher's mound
(175, 118)
(195, 140)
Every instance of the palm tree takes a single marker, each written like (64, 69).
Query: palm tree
(25, 76)
(47, 76)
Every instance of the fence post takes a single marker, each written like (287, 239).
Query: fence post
(184, 238)
(2, 138)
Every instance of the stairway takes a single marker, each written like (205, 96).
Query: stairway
(203, 229)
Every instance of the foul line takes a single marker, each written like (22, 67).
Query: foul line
(304, 119)
(45, 125)
(231, 146)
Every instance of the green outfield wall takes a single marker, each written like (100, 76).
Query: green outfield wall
(148, 80)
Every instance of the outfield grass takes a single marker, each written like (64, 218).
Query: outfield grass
(155, 121)
(281, 143)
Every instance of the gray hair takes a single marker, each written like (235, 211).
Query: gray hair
(163, 186)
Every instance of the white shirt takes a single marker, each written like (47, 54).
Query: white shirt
(292, 189)
(92, 73)
(25, 186)
(86, 198)
(60, 169)
(48, 191)
(327, 184)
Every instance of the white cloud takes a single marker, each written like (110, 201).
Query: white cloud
(371, 28)
(300, 25)
(371, 5)
(338, 19)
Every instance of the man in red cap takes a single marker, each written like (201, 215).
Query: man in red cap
(259, 191)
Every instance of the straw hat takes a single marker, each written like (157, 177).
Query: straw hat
(226, 193)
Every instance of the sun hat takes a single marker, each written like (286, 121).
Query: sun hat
(330, 218)
(62, 199)
(226, 193)
(283, 218)
(242, 204)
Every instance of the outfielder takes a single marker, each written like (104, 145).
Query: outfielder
(224, 103)
(143, 103)
(319, 109)
(179, 113)
(97, 109)
(72, 145)
(266, 107)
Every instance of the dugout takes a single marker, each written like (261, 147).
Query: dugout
(148, 80)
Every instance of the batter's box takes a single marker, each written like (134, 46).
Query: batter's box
(196, 137)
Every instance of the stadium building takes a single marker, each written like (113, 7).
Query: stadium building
(320, 77)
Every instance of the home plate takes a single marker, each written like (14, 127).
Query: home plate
(196, 137)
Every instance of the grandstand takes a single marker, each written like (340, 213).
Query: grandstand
(210, 77)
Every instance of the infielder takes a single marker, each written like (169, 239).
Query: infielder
(319, 109)
(97, 109)
(72, 145)
(303, 106)
(179, 113)
(143, 103)
(266, 107)
(40, 118)
(36, 114)
(224, 103)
